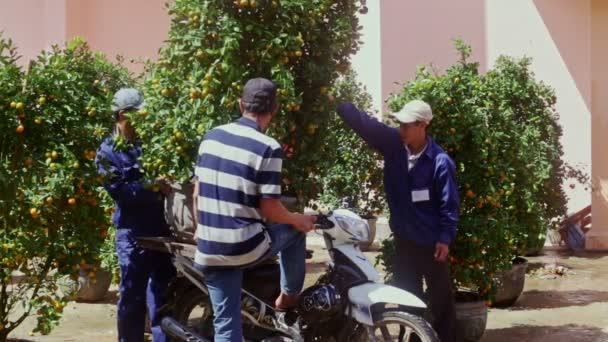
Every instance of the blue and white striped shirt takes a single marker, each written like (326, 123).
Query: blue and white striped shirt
(237, 166)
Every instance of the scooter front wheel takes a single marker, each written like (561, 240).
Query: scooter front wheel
(396, 326)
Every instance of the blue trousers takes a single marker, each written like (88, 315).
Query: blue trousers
(144, 277)
(225, 284)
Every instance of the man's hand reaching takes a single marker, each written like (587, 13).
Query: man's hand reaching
(304, 223)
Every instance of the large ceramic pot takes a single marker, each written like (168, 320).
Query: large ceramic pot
(471, 317)
(180, 215)
(179, 212)
(511, 283)
(93, 285)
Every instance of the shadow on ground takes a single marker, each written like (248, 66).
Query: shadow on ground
(111, 297)
(565, 333)
(535, 299)
(566, 254)
(315, 267)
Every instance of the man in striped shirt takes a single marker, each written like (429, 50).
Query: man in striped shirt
(238, 186)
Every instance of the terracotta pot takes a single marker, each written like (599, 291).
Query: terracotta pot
(180, 216)
(471, 317)
(511, 283)
(93, 289)
(179, 213)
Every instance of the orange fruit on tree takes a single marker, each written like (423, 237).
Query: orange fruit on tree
(311, 129)
(34, 212)
(90, 154)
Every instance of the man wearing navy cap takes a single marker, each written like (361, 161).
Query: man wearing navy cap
(238, 186)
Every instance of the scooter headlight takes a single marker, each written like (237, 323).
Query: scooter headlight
(356, 228)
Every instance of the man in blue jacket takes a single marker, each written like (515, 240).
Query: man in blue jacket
(422, 194)
(144, 274)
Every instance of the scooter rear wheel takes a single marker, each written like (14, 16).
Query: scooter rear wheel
(194, 311)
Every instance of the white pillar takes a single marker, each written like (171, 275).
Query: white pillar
(367, 61)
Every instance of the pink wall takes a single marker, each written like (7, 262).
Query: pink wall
(421, 32)
(134, 28)
(31, 24)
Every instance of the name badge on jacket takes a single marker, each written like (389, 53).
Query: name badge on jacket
(420, 195)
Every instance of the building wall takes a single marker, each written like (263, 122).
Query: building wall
(420, 32)
(134, 29)
(33, 25)
(556, 34)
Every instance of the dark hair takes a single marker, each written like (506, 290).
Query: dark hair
(258, 108)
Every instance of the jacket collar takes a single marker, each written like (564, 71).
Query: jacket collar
(249, 123)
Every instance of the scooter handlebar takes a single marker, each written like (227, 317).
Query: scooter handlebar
(323, 222)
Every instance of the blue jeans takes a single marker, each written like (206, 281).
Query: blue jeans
(144, 278)
(225, 284)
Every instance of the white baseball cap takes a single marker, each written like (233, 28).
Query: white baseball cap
(413, 111)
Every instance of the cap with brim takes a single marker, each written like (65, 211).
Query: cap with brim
(414, 111)
(259, 94)
(127, 98)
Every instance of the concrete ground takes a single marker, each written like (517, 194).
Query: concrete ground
(572, 307)
(560, 308)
